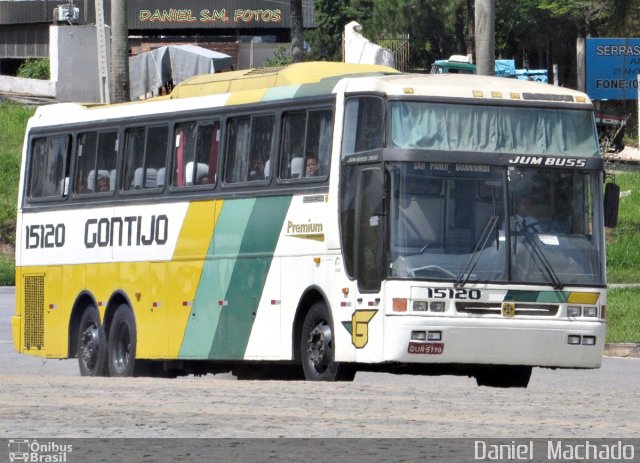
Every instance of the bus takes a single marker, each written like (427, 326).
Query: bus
(313, 221)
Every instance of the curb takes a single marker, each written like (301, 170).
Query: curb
(624, 350)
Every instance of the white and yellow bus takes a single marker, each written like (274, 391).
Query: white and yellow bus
(316, 220)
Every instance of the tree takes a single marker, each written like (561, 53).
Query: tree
(297, 31)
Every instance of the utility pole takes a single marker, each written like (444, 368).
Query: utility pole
(485, 37)
(103, 66)
(119, 51)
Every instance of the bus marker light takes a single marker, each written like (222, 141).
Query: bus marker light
(187, 303)
(420, 306)
(53, 306)
(434, 336)
(156, 305)
(573, 339)
(514, 96)
(138, 296)
(408, 90)
(603, 311)
(345, 304)
(589, 340)
(400, 304)
(437, 306)
(496, 94)
(100, 303)
(373, 303)
(574, 311)
(581, 99)
(316, 260)
(418, 336)
(345, 291)
(275, 302)
(223, 303)
(478, 93)
(590, 311)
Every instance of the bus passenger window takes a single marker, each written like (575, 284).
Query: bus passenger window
(195, 155)
(248, 148)
(305, 150)
(363, 125)
(48, 170)
(96, 159)
(145, 156)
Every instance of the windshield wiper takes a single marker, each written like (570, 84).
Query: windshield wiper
(477, 251)
(539, 258)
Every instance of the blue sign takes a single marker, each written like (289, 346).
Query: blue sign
(612, 68)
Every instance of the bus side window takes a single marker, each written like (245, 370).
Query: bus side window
(248, 148)
(291, 148)
(363, 125)
(195, 155)
(96, 159)
(145, 156)
(305, 150)
(49, 165)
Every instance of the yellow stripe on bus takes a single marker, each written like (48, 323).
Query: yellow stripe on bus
(583, 298)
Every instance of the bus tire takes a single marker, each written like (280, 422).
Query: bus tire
(316, 348)
(122, 342)
(92, 344)
(504, 376)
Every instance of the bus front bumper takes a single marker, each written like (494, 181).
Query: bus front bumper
(494, 341)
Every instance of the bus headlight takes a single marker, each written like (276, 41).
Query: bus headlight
(574, 311)
(589, 340)
(591, 312)
(437, 306)
(420, 306)
(573, 339)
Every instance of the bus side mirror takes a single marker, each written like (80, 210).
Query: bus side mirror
(611, 204)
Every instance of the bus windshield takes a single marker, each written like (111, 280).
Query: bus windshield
(480, 223)
(491, 129)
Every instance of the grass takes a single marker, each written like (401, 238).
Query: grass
(623, 315)
(623, 242)
(13, 120)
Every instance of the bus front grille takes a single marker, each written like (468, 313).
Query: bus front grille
(527, 310)
(33, 311)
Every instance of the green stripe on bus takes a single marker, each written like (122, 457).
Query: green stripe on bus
(536, 296)
(280, 93)
(215, 278)
(249, 276)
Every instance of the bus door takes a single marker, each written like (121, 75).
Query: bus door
(363, 213)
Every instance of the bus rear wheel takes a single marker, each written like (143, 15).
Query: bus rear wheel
(92, 345)
(122, 342)
(316, 348)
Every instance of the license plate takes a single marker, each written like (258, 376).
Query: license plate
(432, 348)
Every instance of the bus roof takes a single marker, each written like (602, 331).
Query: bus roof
(310, 79)
(260, 80)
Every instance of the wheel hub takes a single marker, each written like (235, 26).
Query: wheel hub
(320, 346)
(90, 343)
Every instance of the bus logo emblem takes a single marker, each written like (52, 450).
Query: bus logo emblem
(508, 309)
(358, 327)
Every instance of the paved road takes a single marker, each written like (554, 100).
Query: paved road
(50, 399)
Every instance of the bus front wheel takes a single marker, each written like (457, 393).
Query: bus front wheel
(92, 345)
(316, 348)
(122, 342)
(504, 376)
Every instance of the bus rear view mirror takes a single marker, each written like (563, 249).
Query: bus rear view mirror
(611, 204)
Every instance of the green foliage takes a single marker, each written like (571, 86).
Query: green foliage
(7, 271)
(13, 120)
(35, 69)
(623, 242)
(281, 57)
(623, 315)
